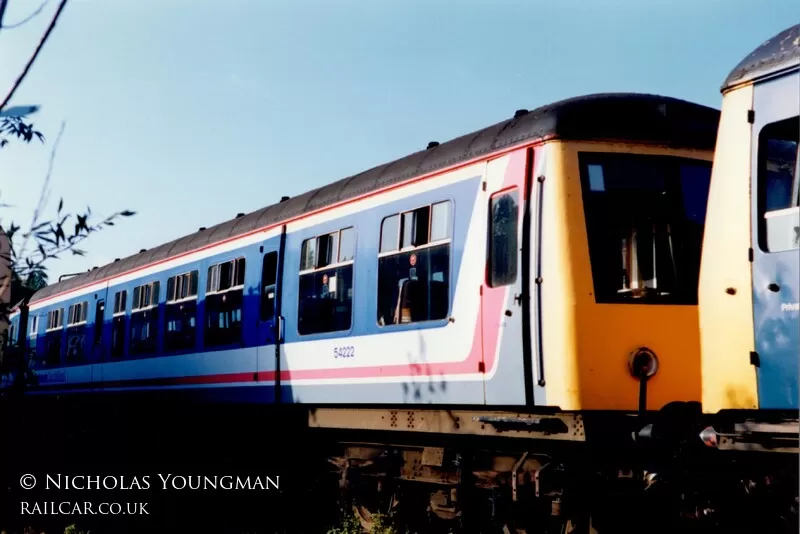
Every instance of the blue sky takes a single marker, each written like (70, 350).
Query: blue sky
(189, 112)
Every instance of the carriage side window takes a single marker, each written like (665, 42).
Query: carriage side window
(326, 282)
(223, 302)
(503, 248)
(99, 319)
(55, 319)
(779, 186)
(55, 325)
(414, 265)
(269, 276)
(144, 318)
(33, 334)
(76, 335)
(118, 324)
(644, 219)
(77, 314)
(181, 312)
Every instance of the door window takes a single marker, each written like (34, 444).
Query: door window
(778, 186)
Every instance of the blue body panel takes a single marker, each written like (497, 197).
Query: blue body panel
(776, 274)
(257, 348)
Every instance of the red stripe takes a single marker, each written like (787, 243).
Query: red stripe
(469, 365)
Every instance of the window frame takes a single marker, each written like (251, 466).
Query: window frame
(155, 296)
(120, 303)
(333, 264)
(428, 244)
(59, 314)
(152, 323)
(263, 287)
(99, 321)
(216, 276)
(762, 215)
(34, 326)
(330, 266)
(399, 249)
(185, 278)
(490, 237)
(210, 342)
(83, 314)
(673, 163)
(81, 311)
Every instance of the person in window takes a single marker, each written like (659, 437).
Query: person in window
(324, 293)
(407, 301)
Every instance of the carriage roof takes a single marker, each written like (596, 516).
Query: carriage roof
(779, 53)
(639, 117)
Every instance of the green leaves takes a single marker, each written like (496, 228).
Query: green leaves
(14, 127)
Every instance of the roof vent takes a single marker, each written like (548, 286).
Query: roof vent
(520, 112)
(239, 215)
(143, 250)
(202, 228)
(116, 259)
(432, 144)
(284, 199)
(95, 267)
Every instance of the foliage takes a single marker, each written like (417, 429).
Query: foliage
(72, 529)
(16, 127)
(50, 239)
(350, 524)
(46, 239)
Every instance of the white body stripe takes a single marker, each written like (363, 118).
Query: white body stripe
(451, 343)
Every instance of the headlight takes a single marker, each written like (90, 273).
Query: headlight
(643, 363)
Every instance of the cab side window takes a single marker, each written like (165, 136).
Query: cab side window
(778, 196)
(503, 245)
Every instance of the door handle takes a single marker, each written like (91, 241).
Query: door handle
(280, 329)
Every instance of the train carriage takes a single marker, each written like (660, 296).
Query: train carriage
(518, 265)
(535, 279)
(750, 276)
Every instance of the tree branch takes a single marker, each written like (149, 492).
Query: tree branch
(3, 5)
(35, 53)
(44, 194)
(5, 284)
(26, 19)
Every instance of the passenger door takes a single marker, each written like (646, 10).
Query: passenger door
(776, 240)
(268, 291)
(95, 336)
(270, 327)
(508, 298)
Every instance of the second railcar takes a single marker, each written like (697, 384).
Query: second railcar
(749, 289)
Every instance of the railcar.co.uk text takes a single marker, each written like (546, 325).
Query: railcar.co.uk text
(164, 482)
(83, 508)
